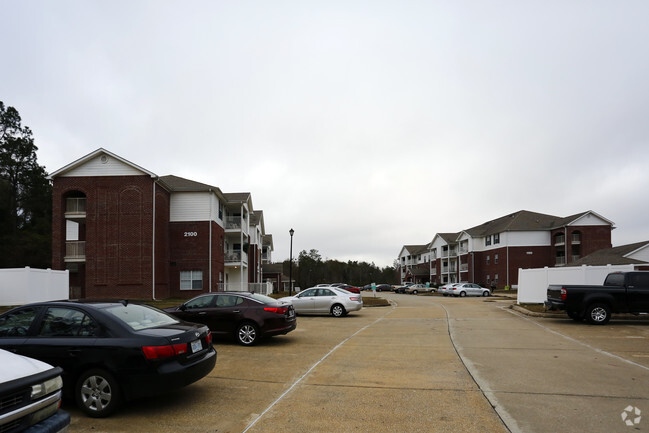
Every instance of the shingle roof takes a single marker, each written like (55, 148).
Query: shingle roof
(179, 184)
(416, 249)
(449, 238)
(612, 256)
(522, 221)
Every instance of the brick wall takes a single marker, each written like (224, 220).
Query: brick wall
(118, 233)
(189, 244)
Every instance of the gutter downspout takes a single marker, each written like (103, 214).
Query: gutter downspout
(153, 247)
(209, 263)
(508, 265)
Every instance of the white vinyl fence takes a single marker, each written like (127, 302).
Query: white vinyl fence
(24, 285)
(533, 283)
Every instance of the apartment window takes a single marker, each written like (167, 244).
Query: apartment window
(191, 280)
(495, 259)
(496, 279)
(487, 240)
(488, 259)
(220, 210)
(496, 238)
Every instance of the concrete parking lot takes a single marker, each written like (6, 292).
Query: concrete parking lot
(424, 364)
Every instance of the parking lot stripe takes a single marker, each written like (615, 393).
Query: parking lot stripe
(281, 397)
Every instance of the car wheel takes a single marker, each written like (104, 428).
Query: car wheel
(485, 293)
(247, 334)
(598, 314)
(414, 292)
(462, 294)
(97, 393)
(337, 310)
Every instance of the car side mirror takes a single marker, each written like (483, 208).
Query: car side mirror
(183, 307)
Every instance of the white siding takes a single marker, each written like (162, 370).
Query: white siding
(641, 254)
(525, 239)
(589, 220)
(191, 206)
(104, 165)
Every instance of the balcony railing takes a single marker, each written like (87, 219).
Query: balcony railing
(233, 223)
(235, 257)
(75, 251)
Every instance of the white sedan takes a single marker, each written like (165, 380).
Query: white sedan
(325, 300)
(468, 289)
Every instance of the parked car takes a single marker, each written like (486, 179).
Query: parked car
(248, 317)
(379, 287)
(30, 396)
(110, 352)
(402, 288)
(349, 288)
(444, 290)
(325, 300)
(419, 288)
(468, 289)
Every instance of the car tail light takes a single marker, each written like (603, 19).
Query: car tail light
(354, 298)
(208, 338)
(159, 352)
(278, 310)
(564, 294)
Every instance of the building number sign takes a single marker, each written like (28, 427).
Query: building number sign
(191, 234)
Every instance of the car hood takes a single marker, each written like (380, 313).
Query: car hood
(17, 366)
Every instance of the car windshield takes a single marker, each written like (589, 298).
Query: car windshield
(262, 298)
(140, 316)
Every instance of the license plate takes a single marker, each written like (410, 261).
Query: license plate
(197, 346)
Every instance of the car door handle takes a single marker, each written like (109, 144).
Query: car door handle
(236, 311)
(202, 313)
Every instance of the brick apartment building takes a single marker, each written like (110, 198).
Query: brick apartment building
(123, 231)
(493, 252)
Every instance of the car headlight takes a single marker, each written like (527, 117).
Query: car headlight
(44, 388)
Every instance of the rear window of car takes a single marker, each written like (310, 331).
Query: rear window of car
(140, 316)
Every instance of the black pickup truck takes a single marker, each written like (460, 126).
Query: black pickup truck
(622, 292)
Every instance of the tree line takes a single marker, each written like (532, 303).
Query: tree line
(310, 270)
(25, 197)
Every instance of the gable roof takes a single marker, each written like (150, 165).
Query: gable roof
(524, 220)
(98, 153)
(613, 256)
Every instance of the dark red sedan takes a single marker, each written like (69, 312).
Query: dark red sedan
(247, 317)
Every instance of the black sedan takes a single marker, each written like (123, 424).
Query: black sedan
(110, 352)
(245, 316)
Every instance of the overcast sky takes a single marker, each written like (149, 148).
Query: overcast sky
(363, 125)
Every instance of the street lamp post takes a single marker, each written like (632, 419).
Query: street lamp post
(290, 266)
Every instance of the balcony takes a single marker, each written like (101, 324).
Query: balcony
(75, 251)
(75, 208)
(236, 258)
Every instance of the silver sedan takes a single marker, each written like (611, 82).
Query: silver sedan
(468, 289)
(325, 300)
